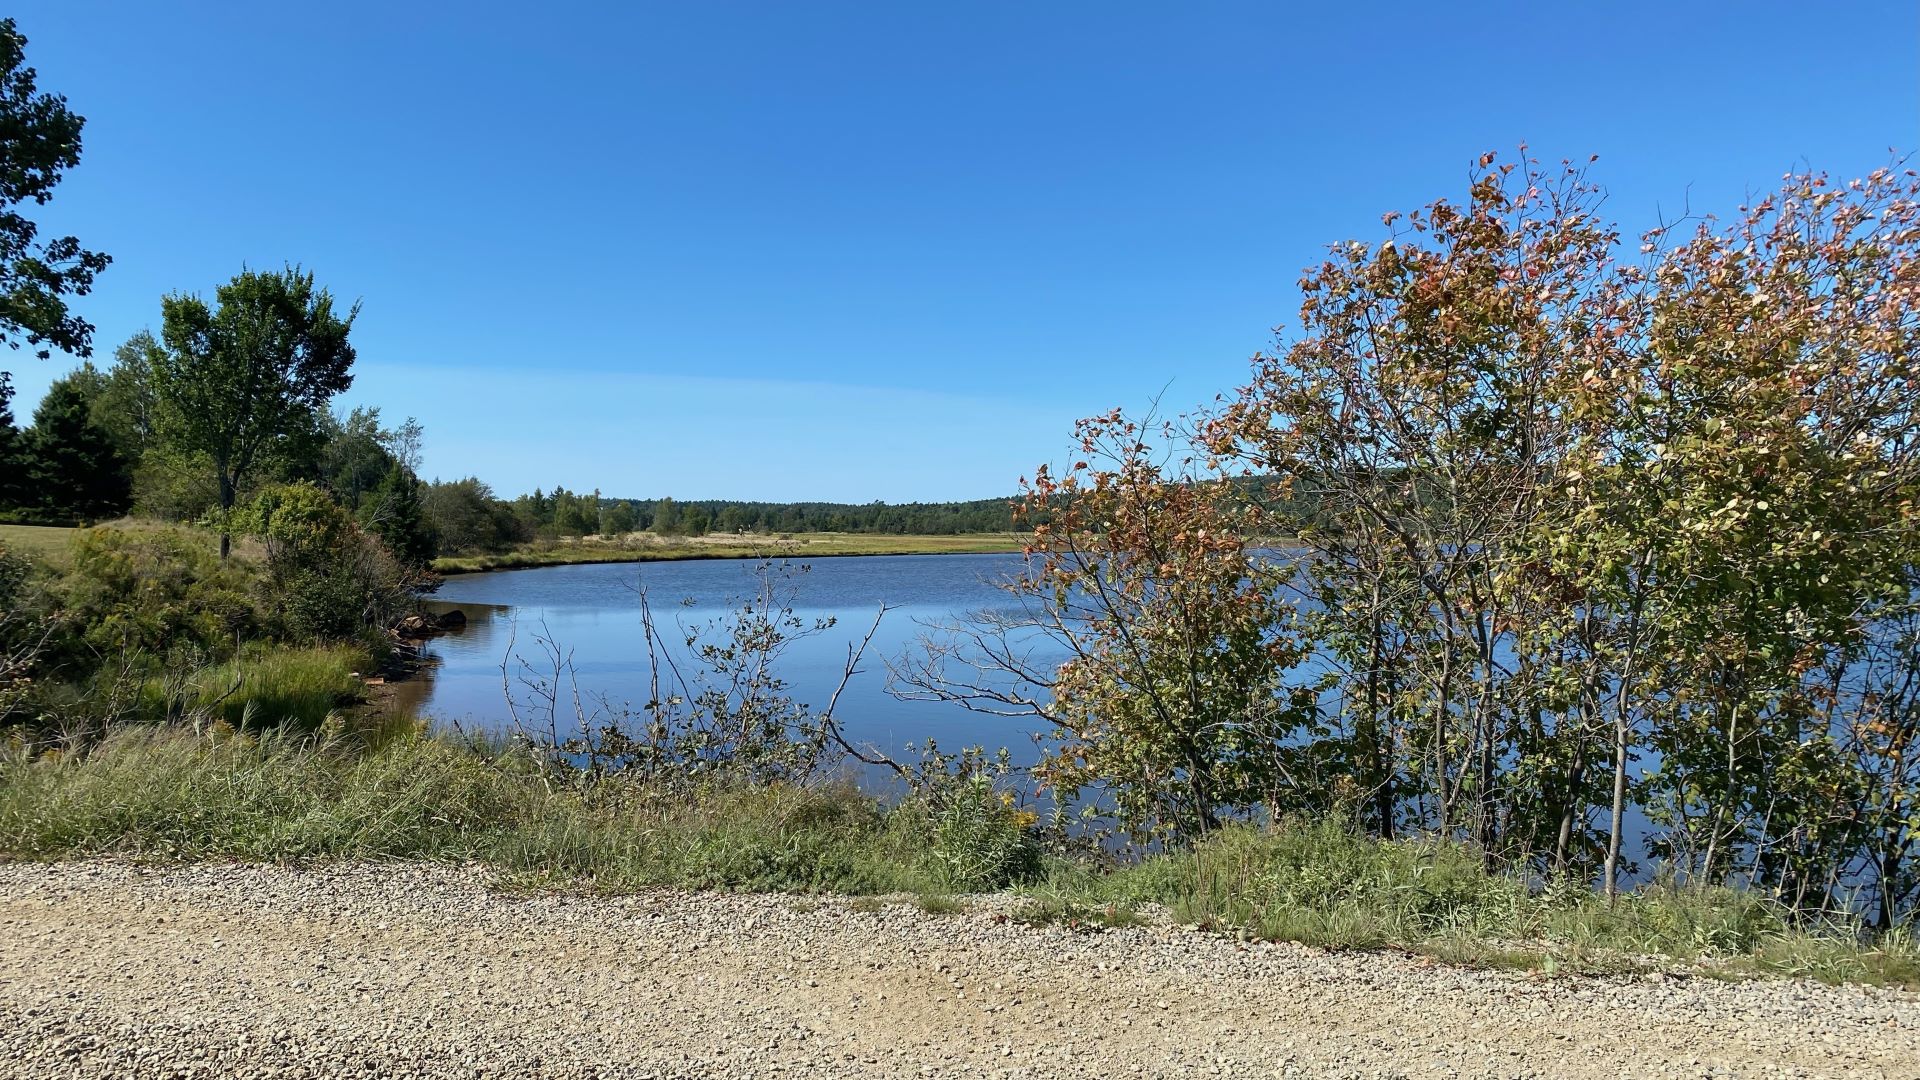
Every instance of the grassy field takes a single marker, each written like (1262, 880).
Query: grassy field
(645, 547)
(36, 541)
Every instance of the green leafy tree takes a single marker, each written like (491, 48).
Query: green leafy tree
(666, 517)
(467, 517)
(73, 465)
(574, 514)
(617, 519)
(39, 141)
(331, 579)
(125, 406)
(252, 371)
(354, 459)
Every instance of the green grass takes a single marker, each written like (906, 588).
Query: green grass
(52, 544)
(1323, 885)
(162, 794)
(940, 904)
(395, 793)
(41, 542)
(264, 686)
(643, 547)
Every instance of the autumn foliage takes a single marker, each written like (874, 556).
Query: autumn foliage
(1579, 529)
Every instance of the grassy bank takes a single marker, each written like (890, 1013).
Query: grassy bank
(398, 794)
(645, 547)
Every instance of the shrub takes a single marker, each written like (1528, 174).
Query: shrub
(333, 580)
(156, 591)
(981, 840)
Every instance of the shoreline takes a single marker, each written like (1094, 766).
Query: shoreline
(974, 544)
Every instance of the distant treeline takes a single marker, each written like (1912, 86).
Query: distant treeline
(718, 515)
(472, 519)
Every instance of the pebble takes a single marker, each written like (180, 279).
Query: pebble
(412, 970)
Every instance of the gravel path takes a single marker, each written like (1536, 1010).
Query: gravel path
(362, 970)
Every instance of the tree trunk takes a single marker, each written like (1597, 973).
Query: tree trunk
(1376, 735)
(1619, 813)
(226, 507)
(1563, 837)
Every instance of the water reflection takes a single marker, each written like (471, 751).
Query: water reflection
(592, 611)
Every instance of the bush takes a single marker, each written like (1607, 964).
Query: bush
(22, 634)
(981, 841)
(157, 591)
(334, 581)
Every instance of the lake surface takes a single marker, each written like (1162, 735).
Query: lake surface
(593, 610)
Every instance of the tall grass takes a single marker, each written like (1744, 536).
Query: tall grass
(1322, 884)
(262, 686)
(166, 794)
(276, 795)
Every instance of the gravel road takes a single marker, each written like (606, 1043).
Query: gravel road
(374, 970)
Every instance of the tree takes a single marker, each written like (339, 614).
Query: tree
(393, 512)
(466, 517)
(575, 514)
(39, 141)
(72, 464)
(1172, 698)
(355, 458)
(617, 519)
(13, 451)
(256, 368)
(122, 398)
(666, 517)
(1575, 537)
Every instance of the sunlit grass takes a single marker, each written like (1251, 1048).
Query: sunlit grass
(398, 793)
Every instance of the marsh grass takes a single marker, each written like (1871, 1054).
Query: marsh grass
(263, 685)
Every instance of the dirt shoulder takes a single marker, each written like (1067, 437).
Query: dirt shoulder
(108, 970)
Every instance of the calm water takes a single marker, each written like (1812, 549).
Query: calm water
(594, 611)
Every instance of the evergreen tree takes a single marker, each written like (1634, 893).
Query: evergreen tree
(13, 457)
(393, 512)
(73, 465)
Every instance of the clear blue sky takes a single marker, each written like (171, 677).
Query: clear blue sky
(815, 250)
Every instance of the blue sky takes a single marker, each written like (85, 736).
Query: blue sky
(839, 251)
